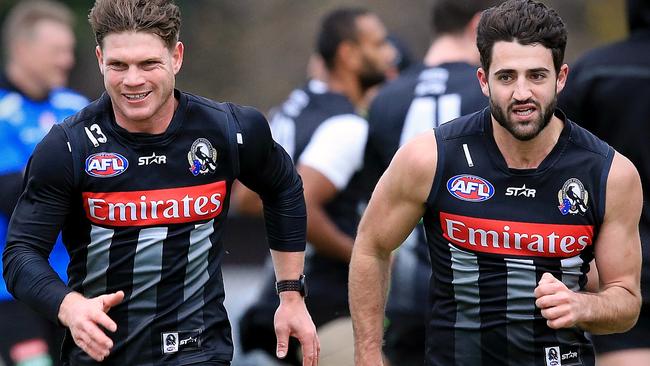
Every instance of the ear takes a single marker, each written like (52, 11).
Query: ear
(177, 57)
(347, 55)
(482, 77)
(561, 78)
(100, 59)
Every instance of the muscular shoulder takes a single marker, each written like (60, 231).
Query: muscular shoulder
(415, 165)
(624, 196)
(623, 180)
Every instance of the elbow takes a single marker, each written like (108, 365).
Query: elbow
(633, 317)
(8, 269)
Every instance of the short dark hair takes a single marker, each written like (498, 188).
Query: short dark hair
(336, 27)
(526, 22)
(160, 17)
(452, 16)
(26, 14)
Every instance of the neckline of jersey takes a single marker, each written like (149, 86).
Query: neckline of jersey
(548, 162)
(138, 139)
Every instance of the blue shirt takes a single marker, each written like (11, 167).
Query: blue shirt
(23, 123)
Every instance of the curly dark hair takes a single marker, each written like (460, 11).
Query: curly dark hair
(526, 22)
(160, 17)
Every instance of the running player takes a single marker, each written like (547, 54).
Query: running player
(139, 183)
(516, 200)
(442, 89)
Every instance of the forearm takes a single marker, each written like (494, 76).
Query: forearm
(30, 279)
(368, 285)
(613, 310)
(288, 266)
(326, 238)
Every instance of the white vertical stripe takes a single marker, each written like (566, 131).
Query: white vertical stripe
(571, 272)
(571, 278)
(147, 273)
(468, 306)
(196, 274)
(448, 108)
(468, 157)
(420, 117)
(97, 260)
(521, 283)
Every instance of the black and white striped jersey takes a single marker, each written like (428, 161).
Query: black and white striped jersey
(421, 99)
(493, 231)
(145, 214)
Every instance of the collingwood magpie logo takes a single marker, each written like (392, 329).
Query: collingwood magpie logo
(202, 157)
(573, 197)
(170, 342)
(552, 356)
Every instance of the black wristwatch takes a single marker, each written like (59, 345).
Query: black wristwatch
(292, 285)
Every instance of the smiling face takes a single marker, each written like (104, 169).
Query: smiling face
(139, 75)
(522, 86)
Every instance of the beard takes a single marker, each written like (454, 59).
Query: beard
(370, 75)
(519, 131)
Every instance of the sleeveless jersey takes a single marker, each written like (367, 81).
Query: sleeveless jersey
(147, 217)
(492, 233)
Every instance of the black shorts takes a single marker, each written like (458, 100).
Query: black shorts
(26, 335)
(637, 337)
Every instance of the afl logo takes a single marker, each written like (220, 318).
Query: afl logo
(470, 188)
(106, 164)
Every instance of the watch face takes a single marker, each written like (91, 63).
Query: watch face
(303, 286)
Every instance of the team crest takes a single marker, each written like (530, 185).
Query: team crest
(573, 197)
(202, 157)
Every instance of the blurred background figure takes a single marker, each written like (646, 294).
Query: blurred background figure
(320, 127)
(608, 92)
(38, 55)
(444, 87)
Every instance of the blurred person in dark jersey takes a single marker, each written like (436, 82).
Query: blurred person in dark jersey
(608, 93)
(442, 88)
(516, 201)
(139, 184)
(320, 128)
(39, 55)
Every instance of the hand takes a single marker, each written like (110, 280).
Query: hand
(560, 306)
(292, 319)
(82, 316)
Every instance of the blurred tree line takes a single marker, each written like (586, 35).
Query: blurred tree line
(254, 52)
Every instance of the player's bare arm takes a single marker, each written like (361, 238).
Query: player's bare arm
(615, 307)
(397, 204)
(292, 317)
